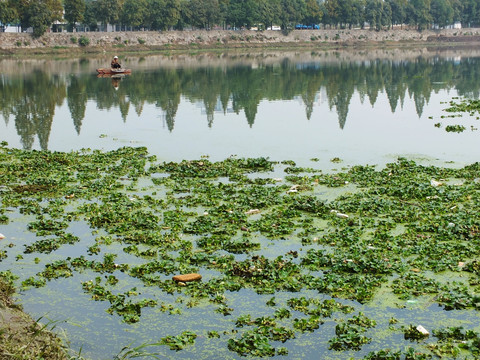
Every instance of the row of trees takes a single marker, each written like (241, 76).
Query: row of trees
(205, 14)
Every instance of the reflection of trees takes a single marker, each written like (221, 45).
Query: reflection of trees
(395, 86)
(248, 91)
(340, 87)
(420, 86)
(374, 81)
(31, 99)
(164, 89)
(32, 102)
(466, 80)
(310, 90)
(77, 101)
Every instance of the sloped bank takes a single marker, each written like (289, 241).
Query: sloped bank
(20, 336)
(202, 39)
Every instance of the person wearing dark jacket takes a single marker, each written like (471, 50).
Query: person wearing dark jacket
(115, 64)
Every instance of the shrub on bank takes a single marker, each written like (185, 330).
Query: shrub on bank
(83, 41)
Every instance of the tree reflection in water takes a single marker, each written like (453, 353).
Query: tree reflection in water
(31, 99)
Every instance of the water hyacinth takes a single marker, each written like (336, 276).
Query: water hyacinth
(308, 261)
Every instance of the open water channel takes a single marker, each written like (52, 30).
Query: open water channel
(352, 107)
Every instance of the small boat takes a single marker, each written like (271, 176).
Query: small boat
(110, 71)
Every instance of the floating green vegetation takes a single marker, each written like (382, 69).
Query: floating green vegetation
(130, 310)
(451, 341)
(180, 341)
(455, 128)
(470, 106)
(349, 334)
(409, 230)
(412, 333)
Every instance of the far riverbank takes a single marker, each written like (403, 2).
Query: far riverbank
(95, 42)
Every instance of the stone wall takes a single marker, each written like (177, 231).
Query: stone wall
(224, 38)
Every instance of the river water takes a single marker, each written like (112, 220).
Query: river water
(361, 107)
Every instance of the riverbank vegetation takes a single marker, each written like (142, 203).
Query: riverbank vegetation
(313, 249)
(236, 14)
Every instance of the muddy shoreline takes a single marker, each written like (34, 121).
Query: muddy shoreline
(18, 328)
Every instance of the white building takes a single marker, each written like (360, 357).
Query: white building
(10, 28)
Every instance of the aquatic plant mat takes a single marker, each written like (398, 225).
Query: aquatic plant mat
(365, 262)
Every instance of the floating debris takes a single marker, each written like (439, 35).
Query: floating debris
(422, 330)
(339, 214)
(342, 216)
(187, 277)
(293, 189)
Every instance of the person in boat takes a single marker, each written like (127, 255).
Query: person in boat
(115, 64)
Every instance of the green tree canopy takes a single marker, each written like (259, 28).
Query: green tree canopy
(163, 14)
(38, 14)
(313, 12)
(419, 14)
(373, 13)
(293, 12)
(90, 14)
(358, 17)
(399, 11)
(203, 14)
(108, 11)
(171, 13)
(244, 13)
(134, 13)
(442, 12)
(471, 12)
(207, 14)
(74, 11)
(332, 16)
(8, 12)
(386, 15)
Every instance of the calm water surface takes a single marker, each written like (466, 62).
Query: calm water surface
(298, 106)
(364, 108)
